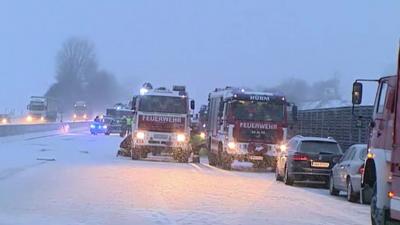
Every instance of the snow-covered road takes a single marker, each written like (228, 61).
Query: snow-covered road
(88, 185)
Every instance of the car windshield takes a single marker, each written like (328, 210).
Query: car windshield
(163, 104)
(258, 111)
(320, 147)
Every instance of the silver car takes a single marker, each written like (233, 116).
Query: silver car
(346, 174)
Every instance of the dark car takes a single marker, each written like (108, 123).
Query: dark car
(114, 126)
(346, 175)
(307, 160)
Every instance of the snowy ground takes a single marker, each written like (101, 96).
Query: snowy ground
(88, 185)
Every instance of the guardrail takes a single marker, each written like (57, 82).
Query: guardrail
(18, 129)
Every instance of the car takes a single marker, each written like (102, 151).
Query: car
(98, 127)
(346, 174)
(114, 126)
(307, 160)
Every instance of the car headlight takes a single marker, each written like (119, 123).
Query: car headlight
(85, 116)
(42, 118)
(181, 138)
(105, 127)
(75, 116)
(232, 145)
(92, 126)
(29, 118)
(140, 135)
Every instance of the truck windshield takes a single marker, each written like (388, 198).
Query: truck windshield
(258, 111)
(163, 104)
(37, 107)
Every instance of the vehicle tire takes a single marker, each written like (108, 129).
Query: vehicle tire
(287, 179)
(226, 161)
(351, 196)
(278, 177)
(366, 194)
(135, 154)
(212, 159)
(378, 216)
(180, 155)
(143, 154)
(219, 160)
(332, 190)
(107, 133)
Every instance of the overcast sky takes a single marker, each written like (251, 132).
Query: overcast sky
(203, 44)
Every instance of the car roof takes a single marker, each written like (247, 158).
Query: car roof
(359, 146)
(301, 138)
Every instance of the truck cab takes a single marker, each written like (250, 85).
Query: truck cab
(245, 126)
(381, 177)
(80, 111)
(162, 123)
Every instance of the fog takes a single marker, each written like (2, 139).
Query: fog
(202, 44)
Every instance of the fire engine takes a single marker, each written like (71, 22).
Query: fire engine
(162, 123)
(245, 126)
(381, 177)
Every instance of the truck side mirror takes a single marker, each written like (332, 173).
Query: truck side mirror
(294, 112)
(357, 93)
(192, 104)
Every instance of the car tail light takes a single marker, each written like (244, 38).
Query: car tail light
(300, 157)
(361, 170)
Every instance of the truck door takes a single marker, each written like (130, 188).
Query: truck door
(381, 117)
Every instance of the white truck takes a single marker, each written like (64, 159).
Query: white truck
(162, 123)
(42, 109)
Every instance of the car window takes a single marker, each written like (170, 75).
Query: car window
(320, 147)
(352, 154)
(347, 154)
(292, 144)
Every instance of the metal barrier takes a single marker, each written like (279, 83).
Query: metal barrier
(18, 129)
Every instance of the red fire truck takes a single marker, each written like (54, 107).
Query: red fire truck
(381, 177)
(161, 123)
(245, 126)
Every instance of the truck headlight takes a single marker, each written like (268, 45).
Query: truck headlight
(85, 116)
(283, 148)
(202, 135)
(181, 138)
(29, 118)
(140, 135)
(4, 121)
(42, 118)
(232, 145)
(92, 126)
(75, 116)
(105, 127)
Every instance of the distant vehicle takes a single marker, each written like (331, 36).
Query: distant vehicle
(80, 111)
(307, 160)
(245, 126)
(98, 126)
(381, 178)
(5, 119)
(161, 123)
(346, 174)
(42, 109)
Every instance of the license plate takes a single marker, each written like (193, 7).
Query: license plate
(255, 157)
(320, 164)
(160, 136)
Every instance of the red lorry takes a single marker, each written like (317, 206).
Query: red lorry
(381, 177)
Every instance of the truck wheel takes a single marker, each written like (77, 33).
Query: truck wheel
(351, 196)
(366, 194)
(180, 155)
(378, 216)
(287, 179)
(278, 177)
(211, 159)
(135, 154)
(226, 161)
